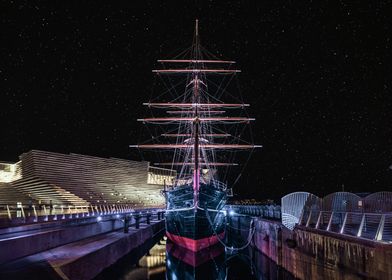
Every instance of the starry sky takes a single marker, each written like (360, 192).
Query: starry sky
(73, 75)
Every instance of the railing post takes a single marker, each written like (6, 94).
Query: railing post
(23, 213)
(330, 221)
(35, 214)
(361, 225)
(54, 213)
(62, 212)
(344, 223)
(77, 212)
(9, 213)
(81, 211)
(380, 228)
(46, 214)
(318, 220)
(70, 211)
(310, 216)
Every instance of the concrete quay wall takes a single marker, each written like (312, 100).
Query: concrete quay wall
(315, 254)
(92, 263)
(16, 242)
(87, 258)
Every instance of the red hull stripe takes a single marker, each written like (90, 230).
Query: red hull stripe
(192, 244)
(191, 258)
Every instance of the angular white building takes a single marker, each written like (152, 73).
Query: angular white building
(74, 179)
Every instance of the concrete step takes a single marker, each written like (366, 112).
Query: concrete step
(83, 259)
(18, 244)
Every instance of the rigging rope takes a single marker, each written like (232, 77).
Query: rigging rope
(249, 238)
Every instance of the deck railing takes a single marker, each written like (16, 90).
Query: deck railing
(371, 226)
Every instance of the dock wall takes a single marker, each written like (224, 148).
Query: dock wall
(315, 254)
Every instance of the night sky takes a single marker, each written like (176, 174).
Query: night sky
(73, 75)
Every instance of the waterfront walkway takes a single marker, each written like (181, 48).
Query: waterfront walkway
(85, 258)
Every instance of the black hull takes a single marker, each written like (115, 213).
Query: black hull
(195, 228)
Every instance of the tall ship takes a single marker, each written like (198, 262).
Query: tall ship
(199, 136)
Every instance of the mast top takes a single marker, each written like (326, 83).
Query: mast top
(197, 28)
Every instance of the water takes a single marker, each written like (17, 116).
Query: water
(166, 260)
(161, 259)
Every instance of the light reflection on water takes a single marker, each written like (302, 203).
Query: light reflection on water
(168, 261)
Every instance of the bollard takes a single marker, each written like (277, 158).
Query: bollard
(126, 223)
(148, 219)
(137, 221)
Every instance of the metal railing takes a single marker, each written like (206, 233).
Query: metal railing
(30, 214)
(264, 211)
(371, 226)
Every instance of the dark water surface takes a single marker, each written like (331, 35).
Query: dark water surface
(166, 260)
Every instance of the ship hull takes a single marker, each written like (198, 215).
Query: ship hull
(195, 228)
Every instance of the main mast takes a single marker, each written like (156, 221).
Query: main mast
(196, 170)
(198, 115)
